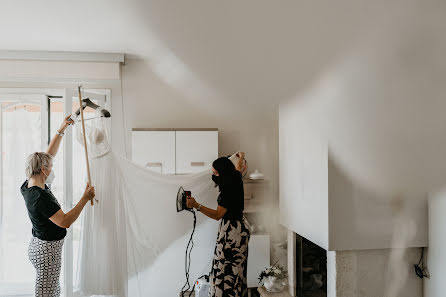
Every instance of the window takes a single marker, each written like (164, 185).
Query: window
(27, 122)
(20, 135)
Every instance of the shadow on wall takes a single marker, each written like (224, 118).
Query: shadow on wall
(361, 218)
(381, 108)
(256, 51)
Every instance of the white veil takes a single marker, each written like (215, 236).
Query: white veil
(133, 240)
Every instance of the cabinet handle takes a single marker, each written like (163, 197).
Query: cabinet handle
(156, 164)
(197, 164)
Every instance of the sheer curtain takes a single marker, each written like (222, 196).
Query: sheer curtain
(21, 135)
(133, 240)
(157, 235)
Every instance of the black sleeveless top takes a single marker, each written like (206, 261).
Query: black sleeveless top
(42, 205)
(232, 197)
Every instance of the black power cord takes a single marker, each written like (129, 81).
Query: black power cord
(190, 246)
(420, 269)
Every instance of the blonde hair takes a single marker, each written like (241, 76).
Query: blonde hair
(36, 161)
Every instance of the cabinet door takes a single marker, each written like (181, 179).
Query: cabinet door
(154, 150)
(195, 150)
(258, 258)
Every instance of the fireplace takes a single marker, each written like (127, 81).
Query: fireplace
(311, 269)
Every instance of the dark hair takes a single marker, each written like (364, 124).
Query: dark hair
(226, 171)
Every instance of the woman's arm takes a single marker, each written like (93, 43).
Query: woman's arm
(215, 214)
(53, 147)
(65, 220)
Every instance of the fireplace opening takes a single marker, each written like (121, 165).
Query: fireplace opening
(311, 269)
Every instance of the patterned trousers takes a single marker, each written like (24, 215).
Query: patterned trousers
(46, 257)
(229, 267)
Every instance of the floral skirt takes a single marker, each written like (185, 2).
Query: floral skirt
(230, 263)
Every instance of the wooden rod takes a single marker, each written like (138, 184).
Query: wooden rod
(84, 137)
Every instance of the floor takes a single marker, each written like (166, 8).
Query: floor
(18, 289)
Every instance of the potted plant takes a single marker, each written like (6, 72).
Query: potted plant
(273, 278)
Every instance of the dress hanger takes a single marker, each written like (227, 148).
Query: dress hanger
(87, 102)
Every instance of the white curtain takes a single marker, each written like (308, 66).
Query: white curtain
(157, 235)
(21, 135)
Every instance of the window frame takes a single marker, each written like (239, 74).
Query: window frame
(69, 94)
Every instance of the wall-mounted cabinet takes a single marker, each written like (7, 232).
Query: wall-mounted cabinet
(154, 150)
(175, 151)
(195, 150)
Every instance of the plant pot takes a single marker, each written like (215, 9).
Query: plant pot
(272, 284)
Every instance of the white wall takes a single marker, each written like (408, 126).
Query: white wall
(436, 257)
(360, 218)
(372, 273)
(149, 102)
(380, 109)
(321, 202)
(381, 106)
(303, 176)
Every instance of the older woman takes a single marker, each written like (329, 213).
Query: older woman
(48, 220)
(229, 266)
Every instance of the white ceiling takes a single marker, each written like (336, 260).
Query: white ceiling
(250, 49)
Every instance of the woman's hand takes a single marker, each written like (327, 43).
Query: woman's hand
(53, 147)
(239, 166)
(191, 203)
(89, 192)
(65, 220)
(67, 121)
(241, 155)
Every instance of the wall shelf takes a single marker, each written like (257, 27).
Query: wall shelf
(254, 181)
